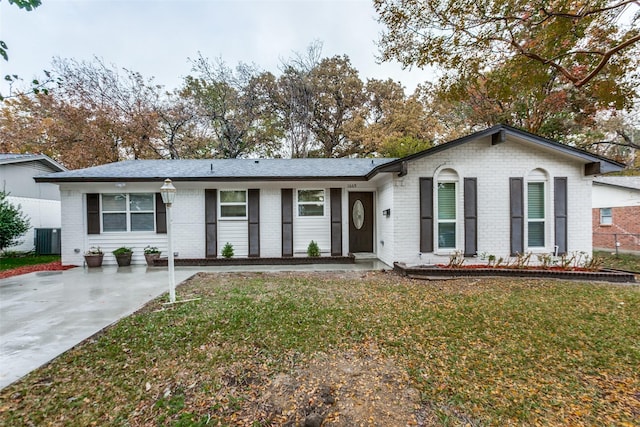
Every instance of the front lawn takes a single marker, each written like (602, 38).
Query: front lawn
(352, 349)
(22, 260)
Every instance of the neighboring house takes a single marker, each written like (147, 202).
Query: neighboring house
(500, 191)
(39, 201)
(616, 213)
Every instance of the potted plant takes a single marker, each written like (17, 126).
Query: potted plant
(93, 257)
(123, 256)
(151, 253)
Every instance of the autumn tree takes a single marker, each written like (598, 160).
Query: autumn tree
(96, 113)
(393, 124)
(182, 132)
(236, 104)
(293, 96)
(337, 97)
(578, 40)
(123, 98)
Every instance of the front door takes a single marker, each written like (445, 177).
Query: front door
(360, 222)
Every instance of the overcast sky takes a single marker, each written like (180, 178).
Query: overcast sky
(156, 37)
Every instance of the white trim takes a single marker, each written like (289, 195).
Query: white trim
(324, 203)
(539, 175)
(127, 212)
(221, 203)
(610, 217)
(447, 175)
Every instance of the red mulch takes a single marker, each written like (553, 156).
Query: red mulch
(51, 266)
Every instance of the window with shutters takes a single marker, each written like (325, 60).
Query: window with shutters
(536, 209)
(233, 204)
(536, 214)
(447, 210)
(128, 212)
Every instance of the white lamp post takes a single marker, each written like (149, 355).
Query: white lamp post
(168, 192)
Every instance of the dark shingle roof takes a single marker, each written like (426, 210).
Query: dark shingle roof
(632, 182)
(222, 169)
(9, 158)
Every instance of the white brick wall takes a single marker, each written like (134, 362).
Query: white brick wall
(492, 166)
(74, 231)
(385, 240)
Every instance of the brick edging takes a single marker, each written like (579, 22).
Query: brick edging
(605, 276)
(192, 262)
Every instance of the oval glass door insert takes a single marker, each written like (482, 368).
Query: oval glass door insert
(358, 214)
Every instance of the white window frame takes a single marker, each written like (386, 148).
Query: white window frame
(127, 211)
(299, 203)
(544, 219)
(609, 216)
(438, 221)
(245, 204)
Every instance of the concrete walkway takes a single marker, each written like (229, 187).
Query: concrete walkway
(44, 314)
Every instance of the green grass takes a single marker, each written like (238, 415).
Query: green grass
(622, 261)
(11, 262)
(493, 351)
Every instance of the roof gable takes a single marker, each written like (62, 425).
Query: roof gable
(594, 164)
(9, 159)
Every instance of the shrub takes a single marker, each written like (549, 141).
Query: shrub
(313, 250)
(227, 250)
(13, 223)
(122, 251)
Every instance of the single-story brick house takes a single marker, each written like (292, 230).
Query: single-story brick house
(616, 213)
(40, 202)
(499, 191)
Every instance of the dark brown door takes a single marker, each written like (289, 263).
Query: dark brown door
(360, 222)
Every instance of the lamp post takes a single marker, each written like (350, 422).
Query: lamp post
(168, 192)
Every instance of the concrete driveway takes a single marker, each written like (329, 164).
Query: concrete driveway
(44, 314)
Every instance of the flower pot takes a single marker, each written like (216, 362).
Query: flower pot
(124, 259)
(93, 260)
(150, 258)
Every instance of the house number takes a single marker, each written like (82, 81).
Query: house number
(352, 185)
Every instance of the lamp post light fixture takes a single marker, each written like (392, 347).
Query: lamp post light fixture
(168, 192)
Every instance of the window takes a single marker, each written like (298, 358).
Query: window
(233, 204)
(536, 214)
(310, 202)
(128, 212)
(606, 216)
(446, 215)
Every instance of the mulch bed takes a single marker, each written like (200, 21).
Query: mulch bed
(435, 271)
(51, 266)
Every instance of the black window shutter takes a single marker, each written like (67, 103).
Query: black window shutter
(336, 222)
(161, 215)
(211, 220)
(560, 213)
(254, 222)
(516, 202)
(93, 213)
(470, 217)
(426, 214)
(286, 197)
